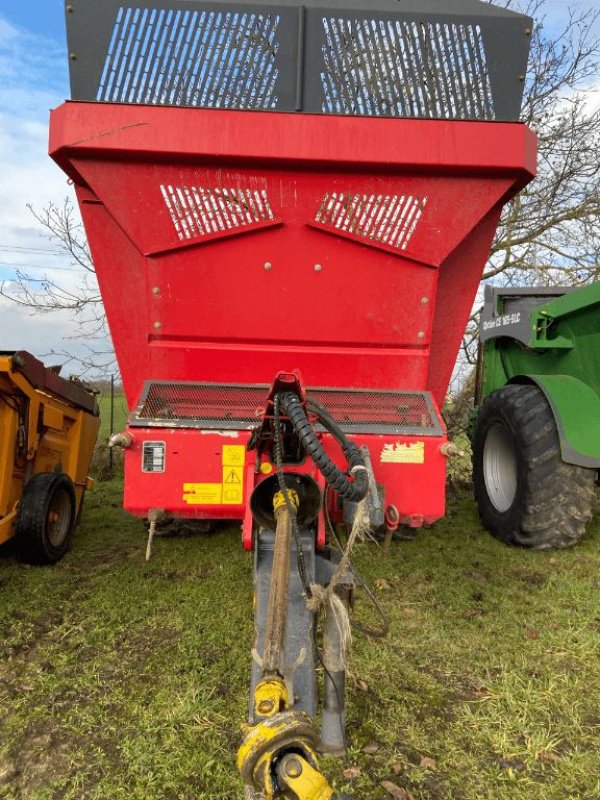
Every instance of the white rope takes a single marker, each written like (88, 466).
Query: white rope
(334, 606)
(326, 597)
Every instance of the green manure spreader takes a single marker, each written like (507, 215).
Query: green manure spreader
(536, 430)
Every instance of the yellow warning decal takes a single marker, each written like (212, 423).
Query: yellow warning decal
(401, 453)
(234, 458)
(203, 494)
(233, 485)
(230, 491)
(234, 455)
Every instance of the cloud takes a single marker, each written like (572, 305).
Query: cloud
(35, 335)
(592, 98)
(33, 79)
(49, 337)
(31, 83)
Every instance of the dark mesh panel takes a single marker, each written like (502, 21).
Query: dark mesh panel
(376, 67)
(191, 58)
(241, 407)
(402, 411)
(204, 402)
(416, 58)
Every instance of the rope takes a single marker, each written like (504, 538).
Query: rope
(327, 598)
(334, 660)
(366, 630)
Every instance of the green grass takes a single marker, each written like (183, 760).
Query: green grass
(100, 467)
(122, 679)
(120, 415)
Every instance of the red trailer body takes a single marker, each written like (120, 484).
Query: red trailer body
(231, 245)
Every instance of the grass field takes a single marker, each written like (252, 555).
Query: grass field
(122, 679)
(120, 413)
(101, 461)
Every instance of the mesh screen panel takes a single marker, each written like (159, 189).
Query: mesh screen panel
(405, 69)
(417, 58)
(192, 58)
(241, 407)
(204, 402)
(387, 219)
(198, 211)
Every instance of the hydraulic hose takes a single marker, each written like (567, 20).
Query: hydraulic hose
(355, 490)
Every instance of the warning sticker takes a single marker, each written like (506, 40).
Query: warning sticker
(401, 453)
(234, 455)
(230, 491)
(203, 494)
(233, 485)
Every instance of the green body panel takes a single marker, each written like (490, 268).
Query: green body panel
(558, 322)
(563, 359)
(575, 405)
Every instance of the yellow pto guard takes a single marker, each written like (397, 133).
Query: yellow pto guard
(48, 429)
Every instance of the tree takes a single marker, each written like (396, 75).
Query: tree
(81, 299)
(548, 234)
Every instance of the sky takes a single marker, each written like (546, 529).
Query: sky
(34, 79)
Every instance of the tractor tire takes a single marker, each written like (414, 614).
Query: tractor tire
(527, 495)
(46, 518)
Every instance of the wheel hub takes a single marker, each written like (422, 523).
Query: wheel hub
(500, 467)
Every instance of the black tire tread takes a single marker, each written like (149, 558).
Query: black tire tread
(31, 526)
(555, 500)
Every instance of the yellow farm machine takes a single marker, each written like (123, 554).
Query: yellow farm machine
(48, 429)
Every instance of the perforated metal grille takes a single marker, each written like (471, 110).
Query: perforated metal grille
(198, 401)
(386, 219)
(399, 410)
(240, 407)
(405, 69)
(415, 58)
(199, 211)
(192, 58)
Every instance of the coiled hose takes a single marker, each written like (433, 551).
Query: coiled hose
(355, 490)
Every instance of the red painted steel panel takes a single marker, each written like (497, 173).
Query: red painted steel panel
(252, 362)
(231, 245)
(295, 201)
(456, 292)
(195, 458)
(121, 273)
(184, 134)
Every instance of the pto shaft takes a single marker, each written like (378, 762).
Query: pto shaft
(280, 577)
(304, 781)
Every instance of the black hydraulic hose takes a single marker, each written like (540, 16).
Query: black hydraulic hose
(284, 490)
(328, 422)
(356, 490)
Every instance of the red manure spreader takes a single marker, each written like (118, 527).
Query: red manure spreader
(289, 207)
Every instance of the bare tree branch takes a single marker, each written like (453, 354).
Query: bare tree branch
(81, 298)
(549, 233)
